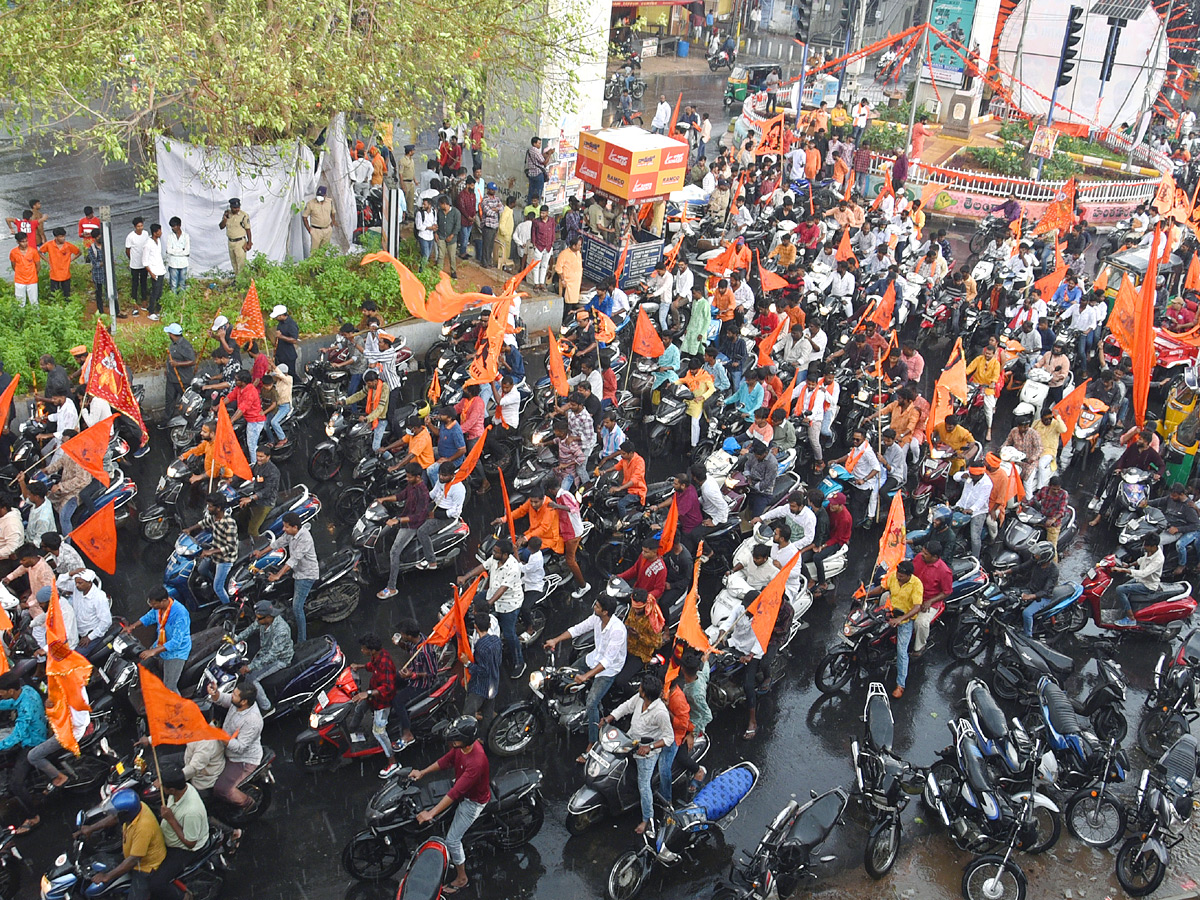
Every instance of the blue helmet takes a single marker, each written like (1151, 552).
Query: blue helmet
(125, 801)
(731, 446)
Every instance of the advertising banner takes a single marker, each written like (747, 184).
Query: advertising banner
(953, 18)
(630, 163)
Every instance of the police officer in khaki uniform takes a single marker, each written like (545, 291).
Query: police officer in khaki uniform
(408, 179)
(236, 225)
(318, 219)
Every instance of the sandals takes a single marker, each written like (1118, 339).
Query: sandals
(451, 889)
(749, 734)
(27, 826)
(387, 593)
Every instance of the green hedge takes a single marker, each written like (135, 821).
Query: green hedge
(319, 292)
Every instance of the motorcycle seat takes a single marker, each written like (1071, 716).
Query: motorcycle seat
(304, 655)
(1168, 590)
(204, 646)
(1059, 710)
(991, 719)
(506, 784)
(880, 725)
(724, 792)
(962, 566)
(1178, 764)
(426, 872)
(1059, 662)
(976, 770)
(285, 502)
(450, 525)
(1062, 592)
(814, 824)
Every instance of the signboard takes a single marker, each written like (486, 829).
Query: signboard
(953, 18)
(1043, 142)
(600, 259)
(963, 204)
(630, 163)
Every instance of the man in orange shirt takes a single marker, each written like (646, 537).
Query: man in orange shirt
(416, 444)
(723, 301)
(25, 258)
(543, 521)
(632, 469)
(59, 253)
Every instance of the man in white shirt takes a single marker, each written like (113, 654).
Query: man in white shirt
(1145, 577)
(660, 289)
(604, 662)
(742, 293)
(425, 224)
(135, 244)
(684, 279)
(841, 288)
(93, 611)
(38, 606)
(819, 340)
(65, 419)
(179, 253)
(506, 595)
(798, 514)
(976, 494)
(447, 500)
(522, 237)
(152, 255)
(662, 115)
(782, 553)
(865, 471)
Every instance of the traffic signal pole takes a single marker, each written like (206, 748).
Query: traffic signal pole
(1066, 63)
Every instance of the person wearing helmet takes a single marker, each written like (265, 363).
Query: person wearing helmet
(1043, 579)
(141, 843)
(1056, 362)
(1145, 578)
(1022, 437)
(471, 790)
(940, 531)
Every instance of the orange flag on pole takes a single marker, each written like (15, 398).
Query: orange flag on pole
(782, 401)
(892, 541)
(939, 409)
(227, 451)
(172, 719)
(1192, 282)
(1048, 284)
(89, 446)
(844, 250)
(435, 388)
(886, 309)
(646, 341)
(1143, 338)
(767, 344)
(558, 372)
(471, 459)
(1101, 282)
(688, 629)
(770, 280)
(250, 325)
(97, 537)
(67, 674)
(508, 516)
(6, 399)
(675, 116)
(109, 378)
(667, 541)
(1069, 407)
(606, 331)
(954, 378)
(411, 289)
(1120, 320)
(765, 608)
(454, 622)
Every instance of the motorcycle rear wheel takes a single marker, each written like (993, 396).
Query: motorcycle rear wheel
(205, 884)
(1139, 869)
(627, 876)
(968, 639)
(978, 241)
(368, 857)
(881, 850)
(10, 879)
(350, 504)
(835, 670)
(1002, 687)
(324, 464)
(1097, 821)
(513, 731)
(993, 878)
(521, 825)
(260, 801)
(1074, 618)
(1158, 730)
(948, 781)
(1110, 724)
(639, 88)
(336, 602)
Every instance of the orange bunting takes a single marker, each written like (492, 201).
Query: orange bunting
(771, 281)
(174, 720)
(1048, 284)
(89, 446)
(227, 451)
(67, 674)
(646, 341)
(954, 376)
(454, 623)
(1068, 409)
(250, 325)
(558, 371)
(97, 537)
(411, 289)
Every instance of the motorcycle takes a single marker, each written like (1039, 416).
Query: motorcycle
(1021, 532)
(616, 84)
(981, 623)
(868, 645)
(1173, 703)
(10, 858)
(1132, 491)
(512, 818)
(1021, 662)
(721, 59)
(425, 874)
(120, 493)
(324, 388)
(348, 441)
(610, 780)
(1160, 614)
(372, 537)
(684, 830)
(1089, 431)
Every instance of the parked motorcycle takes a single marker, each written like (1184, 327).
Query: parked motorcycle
(1021, 662)
(315, 666)
(1173, 703)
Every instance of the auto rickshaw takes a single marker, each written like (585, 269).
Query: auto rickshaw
(745, 80)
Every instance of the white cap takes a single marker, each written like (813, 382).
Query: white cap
(282, 368)
(174, 328)
(219, 322)
(87, 575)
(279, 310)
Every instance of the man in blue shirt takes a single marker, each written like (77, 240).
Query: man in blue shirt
(451, 445)
(29, 731)
(714, 367)
(1068, 292)
(488, 651)
(173, 640)
(668, 363)
(749, 395)
(733, 352)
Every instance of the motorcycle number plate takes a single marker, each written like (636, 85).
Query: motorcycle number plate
(1091, 573)
(323, 699)
(103, 675)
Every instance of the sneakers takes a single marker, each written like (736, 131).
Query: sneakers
(154, 317)
(358, 738)
(518, 671)
(135, 312)
(389, 770)
(424, 564)
(141, 451)
(1126, 622)
(386, 593)
(580, 593)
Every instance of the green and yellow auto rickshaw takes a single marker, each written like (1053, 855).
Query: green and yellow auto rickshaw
(745, 80)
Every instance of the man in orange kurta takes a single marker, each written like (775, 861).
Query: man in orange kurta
(543, 521)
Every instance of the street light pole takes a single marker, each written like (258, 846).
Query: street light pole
(912, 110)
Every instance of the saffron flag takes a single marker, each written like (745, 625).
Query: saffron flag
(646, 341)
(454, 622)
(1048, 284)
(892, 541)
(1192, 282)
(767, 344)
(172, 719)
(508, 516)
(470, 460)
(770, 280)
(1143, 338)
(558, 372)
(844, 250)
(1120, 320)
(606, 331)
(227, 452)
(250, 325)
(886, 309)
(782, 401)
(674, 116)
(97, 537)
(1101, 282)
(67, 674)
(411, 288)
(89, 446)
(885, 190)
(1069, 407)
(6, 399)
(1060, 212)
(444, 302)
(435, 388)
(667, 541)
(939, 409)
(621, 262)
(954, 377)
(688, 629)
(109, 379)
(765, 608)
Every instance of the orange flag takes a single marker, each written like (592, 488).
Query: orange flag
(646, 341)
(411, 289)
(844, 250)
(767, 344)
(508, 516)
(435, 388)
(1143, 339)
(782, 401)
(89, 446)
(67, 674)
(954, 378)
(849, 187)
(765, 607)
(1069, 407)
(884, 191)
(172, 719)
(1048, 284)
(470, 460)
(109, 378)
(558, 372)
(928, 192)
(892, 541)
(6, 399)
(770, 280)
(1101, 282)
(444, 302)
(606, 331)
(250, 324)
(1120, 320)
(227, 451)
(621, 262)
(939, 409)
(1192, 282)
(689, 629)
(454, 622)
(675, 116)
(886, 310)
(667, 541)
(97, 537)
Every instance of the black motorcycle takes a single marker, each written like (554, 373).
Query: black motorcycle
(1173, 703)
(1021, 662)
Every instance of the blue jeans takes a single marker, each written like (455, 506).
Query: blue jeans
(904, 635)
(645, 776)
(377, 436)
(464, 817)
(220, 576)
(464, 241)
(177, 279)
(1185, 543)
(254, 431)
(976, 530)
(67, 513)
(1125, 595)
(276, 427)
(827, 423)
(537, 184)
(600, 686)
(257, 676)
(1032, 610)
(508, 629)
(426, 248)
(628, 501)
(300, 591)
(666, 760)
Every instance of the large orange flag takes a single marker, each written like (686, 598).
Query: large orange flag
(97, 537)
(954, 378)
(892, 541)
(89, 446)
(782, 401)
(508, 516)
(674, 116)
(646, 341)
(688, 629)
(667, 541)
(67, 674)
(770, 280)
(227, 451)
(606, 331)
(470, 460)
(886, 309)
(411, 289)
(1068, 409)
(767, 344)
(454, 623)
(109, 378)
(1120, 320)
(250, 325)
(1192, 282)
(1143, 339)
(765, 608)
(6, 399)
(844, 250)
(939, 409)
(558, 372)
(1048, 284)
(174, 720)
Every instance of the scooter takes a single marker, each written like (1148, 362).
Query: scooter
(868, 645)
(425, 874)
(119, 493)
(609, 786)
(372, 537)
(1132, 490)
(684, 831)
(1089, 431)
(315, 666)
(1161, 614)
(1021, 532)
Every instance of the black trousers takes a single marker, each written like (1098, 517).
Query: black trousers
(156, 288)
(162, 879)
(140, 278)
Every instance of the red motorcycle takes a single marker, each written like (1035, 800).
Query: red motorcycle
(328, 737)
(1160, 614)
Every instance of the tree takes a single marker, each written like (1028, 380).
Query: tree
(112, 75)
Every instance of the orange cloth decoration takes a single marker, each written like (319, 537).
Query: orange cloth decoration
(646, 341)
(250, 325)
(844, 250)
(97, 537)
(892, 541)
(767, 344)
(174, 720)
(558, 372)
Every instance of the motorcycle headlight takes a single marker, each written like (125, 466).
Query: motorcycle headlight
(329, 429)
(536, 680)
(314, 721)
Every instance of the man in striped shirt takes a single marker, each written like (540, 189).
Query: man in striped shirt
(224, 547)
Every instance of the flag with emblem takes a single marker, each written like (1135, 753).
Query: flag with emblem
(109, 379)
(174, 720)
(892, 541)
(250, 326)
(89, 446)
(1060, 212)
(97, 537)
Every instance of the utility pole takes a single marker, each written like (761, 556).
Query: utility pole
(912, 109)
(1153, 68)
(1066, 62)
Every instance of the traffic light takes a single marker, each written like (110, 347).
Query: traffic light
(1070, 40)
(803, 21)
(1110, 49)
(844, 17)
